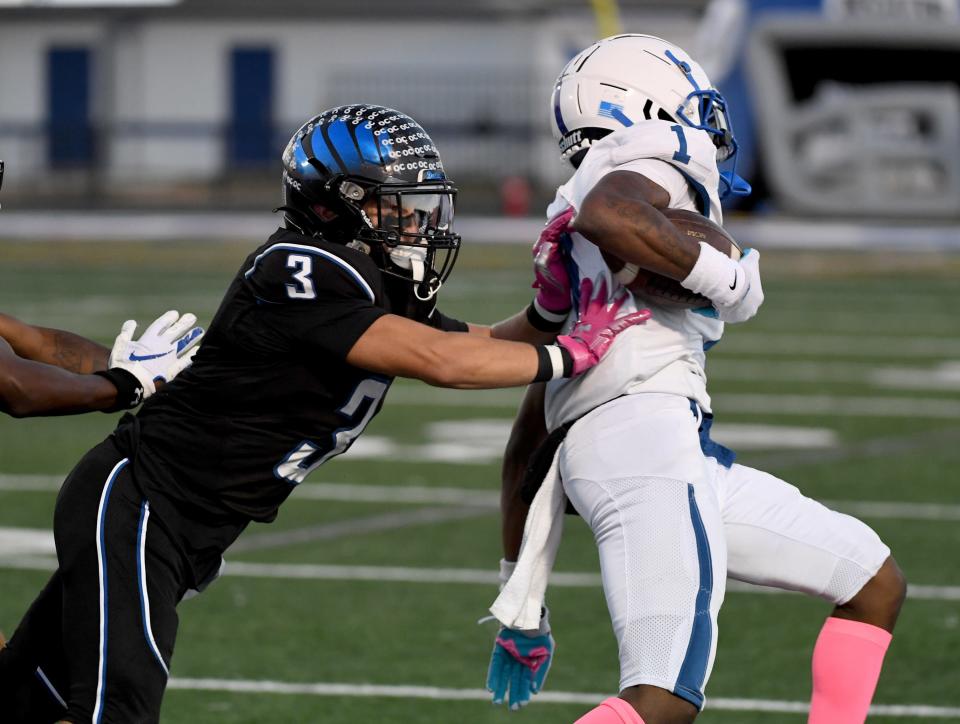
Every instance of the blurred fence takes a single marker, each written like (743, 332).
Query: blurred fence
(838, 111)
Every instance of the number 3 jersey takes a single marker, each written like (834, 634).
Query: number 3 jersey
(667, 353)
(270, 395)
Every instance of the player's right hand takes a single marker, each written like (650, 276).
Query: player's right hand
(164, 350)
(749, 303)
(519, 663)
(552, 280)
(597, 325)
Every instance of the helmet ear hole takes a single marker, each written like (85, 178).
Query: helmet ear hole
(577, 158)
(323, 213)
(664, 116)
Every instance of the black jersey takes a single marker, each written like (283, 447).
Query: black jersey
(269, 396)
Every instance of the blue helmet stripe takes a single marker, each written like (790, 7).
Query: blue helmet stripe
(619, 115)
(339, 134)
(368, 145)
(321, 152)
(556, 111)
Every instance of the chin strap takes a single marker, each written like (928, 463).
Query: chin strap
(432, 285)
(425, 281)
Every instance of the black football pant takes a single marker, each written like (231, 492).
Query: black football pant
(96, 644)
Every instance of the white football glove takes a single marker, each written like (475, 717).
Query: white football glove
(163, 351)
(734, 287)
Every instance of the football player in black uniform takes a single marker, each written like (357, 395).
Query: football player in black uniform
(298, 359)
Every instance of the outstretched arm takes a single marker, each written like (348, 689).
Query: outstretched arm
(43, 371)
(56, 347)
(29, 388)
(398, 347)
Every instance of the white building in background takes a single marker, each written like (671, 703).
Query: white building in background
(185, 94)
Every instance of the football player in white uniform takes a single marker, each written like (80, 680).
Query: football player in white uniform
(672, 514)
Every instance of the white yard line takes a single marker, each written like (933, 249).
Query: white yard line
(840, 345)
(942, 376)
(845, 406)
(364, 690)
(442, 576)
(30, 483)
(356, 526)
(472, 497)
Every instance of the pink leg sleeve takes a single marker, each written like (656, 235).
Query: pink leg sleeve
(846, 665)
(611, 711)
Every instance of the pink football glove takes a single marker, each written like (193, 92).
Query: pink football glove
(597, 325)
(552, 279)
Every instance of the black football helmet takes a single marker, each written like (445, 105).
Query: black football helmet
(370, 177)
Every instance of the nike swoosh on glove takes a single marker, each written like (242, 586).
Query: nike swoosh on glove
(597, 325)
(551, 277)
(163, 351)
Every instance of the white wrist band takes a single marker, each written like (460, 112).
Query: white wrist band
(555, 317)
(627, 273)
(717, 277)
(556, 359)
(506, 570)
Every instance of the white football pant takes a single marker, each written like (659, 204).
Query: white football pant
(672, 524)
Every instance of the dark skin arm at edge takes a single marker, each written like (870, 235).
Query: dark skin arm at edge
(529, 430)
(621, 215)
(56, 347)
(31, 389)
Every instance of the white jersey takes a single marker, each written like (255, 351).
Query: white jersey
(666, 354)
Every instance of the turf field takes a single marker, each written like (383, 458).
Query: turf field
(360, 603)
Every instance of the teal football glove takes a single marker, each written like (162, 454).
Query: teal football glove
(520, 662)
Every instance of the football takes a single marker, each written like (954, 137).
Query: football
(662, 290)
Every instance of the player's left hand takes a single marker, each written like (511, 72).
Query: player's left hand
(164, 350)
(519, 663)
(552, 279)
(597, 325)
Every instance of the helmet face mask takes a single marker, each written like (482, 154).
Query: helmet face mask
(706, 109)
(370, 177)
(412, 223)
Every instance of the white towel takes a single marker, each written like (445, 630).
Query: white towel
(519, 603)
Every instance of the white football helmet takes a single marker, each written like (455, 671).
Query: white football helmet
(627, 78)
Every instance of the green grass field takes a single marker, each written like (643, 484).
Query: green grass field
(863, 351)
